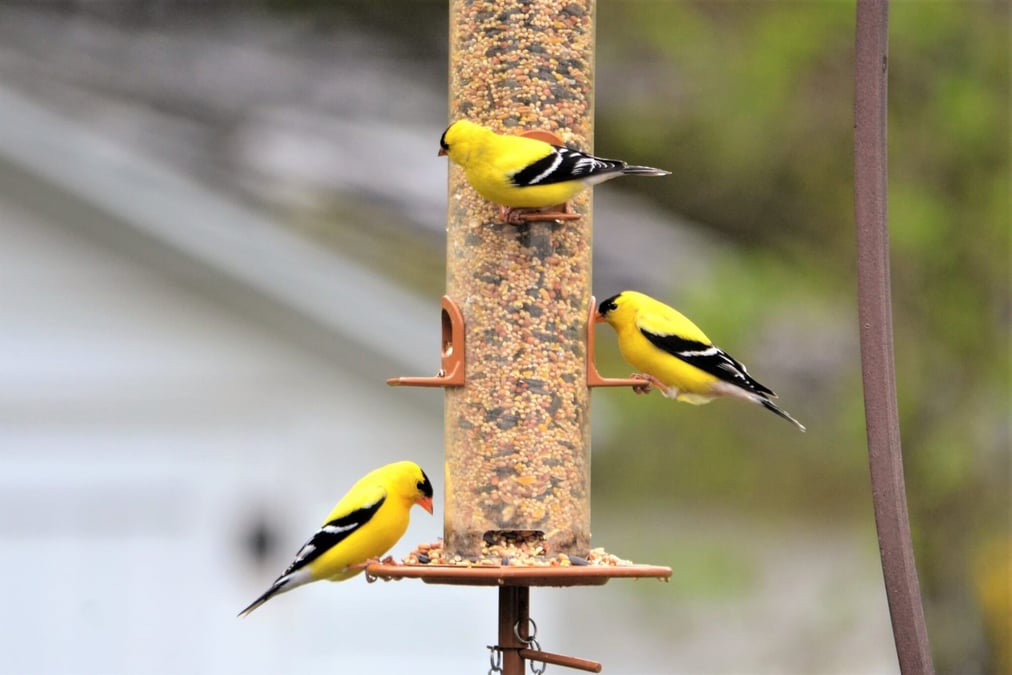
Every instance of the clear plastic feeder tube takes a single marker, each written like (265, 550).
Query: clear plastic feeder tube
(518, 431)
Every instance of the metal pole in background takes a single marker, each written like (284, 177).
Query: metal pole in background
(885, 455)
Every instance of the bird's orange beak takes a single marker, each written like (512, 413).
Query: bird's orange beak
(599, 318)
(441, 153)
(425, 503)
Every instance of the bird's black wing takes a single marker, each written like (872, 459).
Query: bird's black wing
(710, 359)
(333, 533)
(563, 165)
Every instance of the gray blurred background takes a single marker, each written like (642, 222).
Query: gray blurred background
(222, 228)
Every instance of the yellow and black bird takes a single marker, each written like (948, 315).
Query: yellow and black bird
(525, 173)
(676, 357)
(364, 525)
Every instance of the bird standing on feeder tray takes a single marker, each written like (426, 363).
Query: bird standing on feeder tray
(677, 357)
(526, 174)
(364, 525)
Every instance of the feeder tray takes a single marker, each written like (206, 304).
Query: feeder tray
(508, 575)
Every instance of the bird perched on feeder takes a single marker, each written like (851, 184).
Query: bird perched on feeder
(676, 357)
(527, 174)
(364, 525)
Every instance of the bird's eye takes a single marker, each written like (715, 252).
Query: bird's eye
(608, 305)
(424, 486)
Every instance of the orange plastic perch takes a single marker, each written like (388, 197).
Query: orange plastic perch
(594, 378)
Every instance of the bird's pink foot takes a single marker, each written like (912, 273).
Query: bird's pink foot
(362, 565)
(512, 216)
(648, 383)
(651, 382)
(389, 560)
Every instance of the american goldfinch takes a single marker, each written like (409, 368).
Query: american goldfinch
(676, 356)
(364, 525)
(525, 173)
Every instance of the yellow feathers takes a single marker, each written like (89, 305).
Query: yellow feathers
(677, 357)
(364, 525)
(524, 173)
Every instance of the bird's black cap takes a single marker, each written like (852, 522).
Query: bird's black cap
(425, 486)
(608, 305)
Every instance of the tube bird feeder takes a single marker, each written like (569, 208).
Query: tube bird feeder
(517, 416)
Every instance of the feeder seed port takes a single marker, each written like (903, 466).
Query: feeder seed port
(451, 372)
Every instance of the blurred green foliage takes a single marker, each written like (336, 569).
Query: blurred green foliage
(756, 100)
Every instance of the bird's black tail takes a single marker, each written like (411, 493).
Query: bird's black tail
(774, 408)
(278, 586)
(644, 171)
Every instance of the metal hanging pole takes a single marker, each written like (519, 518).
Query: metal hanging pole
(885, 454)
(514, 614)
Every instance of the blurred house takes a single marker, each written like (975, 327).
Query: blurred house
(178, 408)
